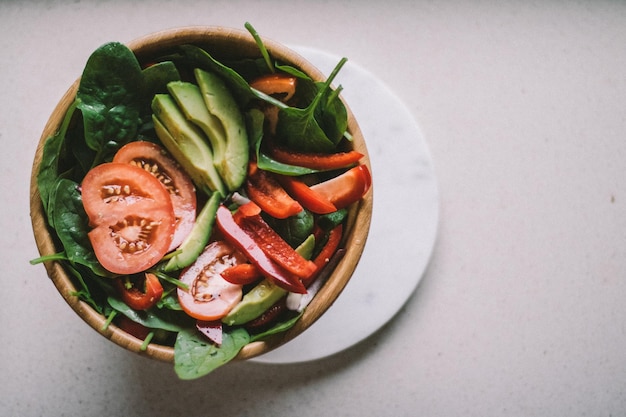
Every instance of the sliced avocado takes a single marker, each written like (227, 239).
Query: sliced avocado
(190, 101)
(197, 240)
(186, 143)
(221, 104)
(307, 247)
(264, 294)
(254, 303)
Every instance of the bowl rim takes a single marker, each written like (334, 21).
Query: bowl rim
(355, 234)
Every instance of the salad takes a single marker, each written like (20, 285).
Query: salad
(199, 202)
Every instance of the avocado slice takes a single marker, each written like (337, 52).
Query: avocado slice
(197, 240)
(263, 295)
(186, 144)
(190, 101)
(254, 303)
(222, 105)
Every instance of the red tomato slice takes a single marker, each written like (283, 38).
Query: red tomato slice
(210, 297)
(155, 160)
(132, 216)
(345, 188)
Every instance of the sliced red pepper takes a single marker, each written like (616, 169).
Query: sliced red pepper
(318, 161)
(331, 246)
(239, 238)
(282, 85)
(139, 299)
(310, 199)
(248, 209)
(132, 327)
(346, 188)
(267, 193)
(275, 246)
(242, 274)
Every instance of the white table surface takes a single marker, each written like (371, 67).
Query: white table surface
(521, 310)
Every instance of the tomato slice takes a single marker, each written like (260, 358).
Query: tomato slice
(210, 297)
(155, 160)
(132, 216)
(345, 188)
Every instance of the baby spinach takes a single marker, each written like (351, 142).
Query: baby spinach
(254, 121)
(195, 356)
(109, 96)
(72, 226)
(320, 125)
(277, 328)
(196, 57)
(52, 154)
(155, 318)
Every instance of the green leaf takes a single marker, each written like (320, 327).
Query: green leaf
(197, 57)
(195, 356)
(165, 319)
(278, 328)
(254, 121)
(317, 127)
(72, 226)
(109, 96)
(51, 159)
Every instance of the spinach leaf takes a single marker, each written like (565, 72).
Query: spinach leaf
(318, 127)
(273, 66)
(71, 224)
(164, 319)
(109, 96)
(295, 229)
(277, 328)
(52, 154)
(197, 57)
(255, 120)
(155, 79)
(195, 357)
(92, 289)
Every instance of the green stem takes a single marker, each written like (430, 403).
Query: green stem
(109, 320)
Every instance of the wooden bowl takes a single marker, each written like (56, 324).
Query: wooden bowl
(220, 42)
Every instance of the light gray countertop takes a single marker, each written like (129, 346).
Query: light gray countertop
(521, 309)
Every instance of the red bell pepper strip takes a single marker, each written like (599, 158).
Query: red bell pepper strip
(242, 274)
(282, 85)
(132, 327)
(267, 193)
(309, 199)
(331, 246)
(235, 235)
(136, 298)
(275, 246)
(346, 188)
(320, 161)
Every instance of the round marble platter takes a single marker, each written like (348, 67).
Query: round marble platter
(404, 220)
